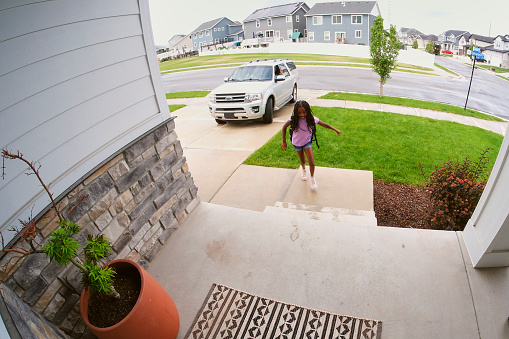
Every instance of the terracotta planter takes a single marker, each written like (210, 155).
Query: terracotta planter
(154, 315)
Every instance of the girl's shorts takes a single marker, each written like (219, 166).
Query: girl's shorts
(300, 148)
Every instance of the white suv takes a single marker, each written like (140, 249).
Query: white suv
(254, 91)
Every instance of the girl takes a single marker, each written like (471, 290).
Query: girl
(303, 126)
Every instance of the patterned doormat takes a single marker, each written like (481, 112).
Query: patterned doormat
(228, 313)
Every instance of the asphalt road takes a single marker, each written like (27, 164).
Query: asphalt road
(488, 93)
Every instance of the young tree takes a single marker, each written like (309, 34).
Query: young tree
(384, 50)
(415, 44)
(430, 47)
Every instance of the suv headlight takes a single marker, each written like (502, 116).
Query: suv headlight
(212, 98)
(253, 97)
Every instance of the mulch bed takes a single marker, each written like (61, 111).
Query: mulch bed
(399, 205)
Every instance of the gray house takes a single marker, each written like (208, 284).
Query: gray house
(450, 40)
(277, 23)
(341, 22)
(215, 32)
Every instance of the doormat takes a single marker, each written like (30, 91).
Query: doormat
(229, 313)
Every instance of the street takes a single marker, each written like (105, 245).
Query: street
(488, 93)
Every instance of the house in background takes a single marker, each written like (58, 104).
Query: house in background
(466, 41)
(424, 39)
(277, 23)
(407, 35)
(212, 32)
(174, 40)
(498, 54)
(235, 32)
(450, 40)
(343, 22)
(184, 45)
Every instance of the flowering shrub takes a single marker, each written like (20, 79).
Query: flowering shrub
(455, 189)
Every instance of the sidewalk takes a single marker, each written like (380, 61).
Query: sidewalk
(419, 283)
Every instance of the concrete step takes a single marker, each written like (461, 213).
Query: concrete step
(342, 215)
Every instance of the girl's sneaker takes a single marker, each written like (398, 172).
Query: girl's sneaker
(314, 186)
(304, 175)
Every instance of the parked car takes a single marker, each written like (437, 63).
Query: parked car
(254, 91)
(446, 51)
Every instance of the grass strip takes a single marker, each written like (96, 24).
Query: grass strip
(173, 108)
(214, 60)
(389, 144)
(446, 69)
(189, 94)
(409, 103)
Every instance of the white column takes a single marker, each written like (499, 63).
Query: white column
(487, 233)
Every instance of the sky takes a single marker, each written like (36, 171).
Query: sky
(171, 17)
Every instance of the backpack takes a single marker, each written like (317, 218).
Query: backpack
(313, 135)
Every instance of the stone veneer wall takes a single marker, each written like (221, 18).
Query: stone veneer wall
(137, 199)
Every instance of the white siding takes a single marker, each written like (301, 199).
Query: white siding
(78, 81)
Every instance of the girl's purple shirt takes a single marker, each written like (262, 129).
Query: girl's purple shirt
(302, 135)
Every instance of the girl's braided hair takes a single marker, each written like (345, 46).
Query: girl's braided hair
(309, 117)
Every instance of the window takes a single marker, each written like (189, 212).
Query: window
(305, 33)
(215, 29)
(257, 23)
(289, 33)
(326, 36)
(195, 44)
(269, 22)
(297, 18)
(207, 32)
(358, 34)
(277, 34)
(269, 34)
(311, 36)
(341, 36)
(357, 19)
(217, 41)
(289, 18)
(196, 35)
(201, 34)
(337, 19)
(317, 20)
(222, 28)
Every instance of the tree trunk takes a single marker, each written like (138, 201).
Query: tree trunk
(381, 89)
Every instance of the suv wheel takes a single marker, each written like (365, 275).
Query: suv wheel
(294, 94)
(269, 111)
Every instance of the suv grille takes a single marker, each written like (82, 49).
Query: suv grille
(232, 97)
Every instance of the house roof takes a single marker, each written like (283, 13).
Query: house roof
(342, 7)
(237, 32)
(455, 32)
(431, 37)
(274, 11)
(208, 25)
(410, 31)
(491, 48)
(482, 38)
(503, 37)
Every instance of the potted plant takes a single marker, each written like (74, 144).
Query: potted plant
(119, 299)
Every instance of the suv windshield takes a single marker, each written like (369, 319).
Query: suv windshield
(252, 73)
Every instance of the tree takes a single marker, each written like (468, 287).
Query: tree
(415, 44)
(384, 50)
(430, 47)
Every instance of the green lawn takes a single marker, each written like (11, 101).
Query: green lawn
(235, 59)
(173, 108)
(391, 145)
(189, 94)
(446, 69)
(495, 68)
(410, 103)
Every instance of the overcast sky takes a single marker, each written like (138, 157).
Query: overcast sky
(170, 17)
